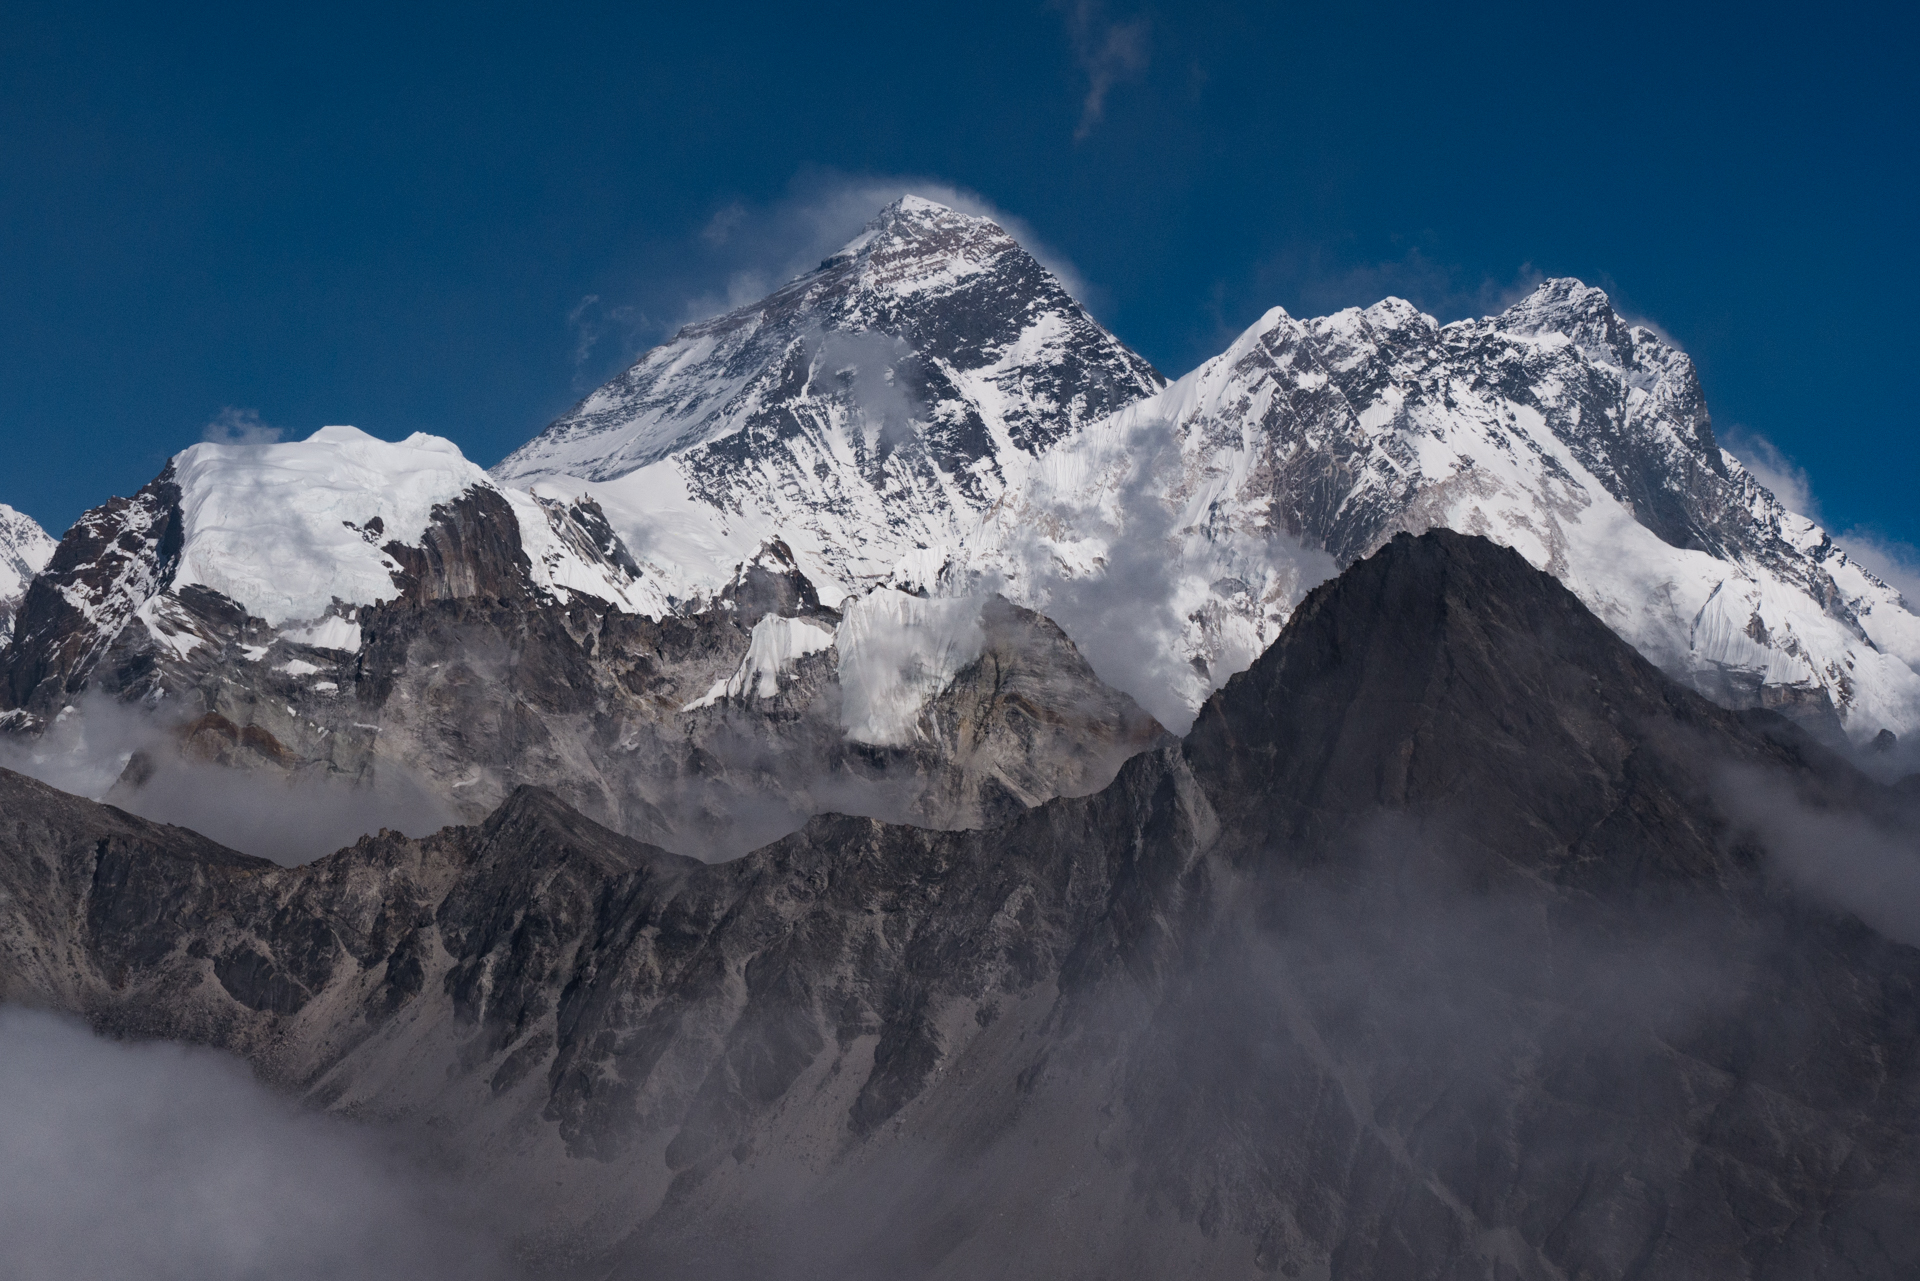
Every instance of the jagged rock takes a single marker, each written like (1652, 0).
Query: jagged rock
(490, 640)
(1557, 428)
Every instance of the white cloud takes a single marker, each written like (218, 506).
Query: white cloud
(1107, 52)
(127, 1162)
(240, 427)
(1771, 467)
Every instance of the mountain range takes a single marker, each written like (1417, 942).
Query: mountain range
(1454, 940)
(890, 785)
(924, 431)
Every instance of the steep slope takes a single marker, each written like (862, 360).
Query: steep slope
(1439, 948)
(25, 549)
(1557, 428)
(869, 409)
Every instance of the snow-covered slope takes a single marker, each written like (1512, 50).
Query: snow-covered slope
(301, 536)
(1556, 427)
(25, 549)
(287, 530)
(873, 407)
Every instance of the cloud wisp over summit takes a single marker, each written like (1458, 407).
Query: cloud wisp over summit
(745, 250)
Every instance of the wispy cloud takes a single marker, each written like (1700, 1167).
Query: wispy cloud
(156, 1160)
(1107, 52)
(745, 250)
(595, 326)
(1771, 467)
(1891, 560)
(240, 427)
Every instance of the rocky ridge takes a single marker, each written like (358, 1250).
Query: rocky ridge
(710, 731)
(1257, 1007)
(916, 434)
(1557, 427)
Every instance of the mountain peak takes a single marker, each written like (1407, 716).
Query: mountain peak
(25, 549)
(870, 409)
(912, 206)
(921, 228)
(1576, 311)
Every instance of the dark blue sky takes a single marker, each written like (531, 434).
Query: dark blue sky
(395, 221)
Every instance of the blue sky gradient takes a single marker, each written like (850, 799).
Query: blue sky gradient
(457, 220)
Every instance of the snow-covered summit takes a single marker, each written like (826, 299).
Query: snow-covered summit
(1556, 427)
(301, 537)
(874, 406)
(288, 530)
(25, 549)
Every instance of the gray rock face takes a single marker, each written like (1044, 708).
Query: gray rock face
(112, 561)
(1439, 948)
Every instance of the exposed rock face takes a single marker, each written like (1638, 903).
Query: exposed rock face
(1437, 949)
(114, 560)
(867, 410)
(1556, 427)
(473, 681)
(930, 406)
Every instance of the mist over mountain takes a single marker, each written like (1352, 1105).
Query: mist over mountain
(1270, 1001)
(890, 785)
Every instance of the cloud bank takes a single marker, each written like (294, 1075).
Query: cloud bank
(290, 820)
(152, 1162)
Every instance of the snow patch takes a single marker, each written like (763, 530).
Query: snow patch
(284, 528)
